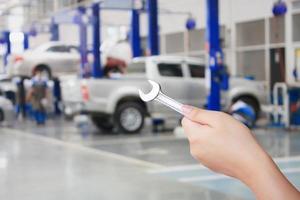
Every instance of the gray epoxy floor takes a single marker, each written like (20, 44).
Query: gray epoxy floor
(37, 168)
(62, 161)
(162, 148)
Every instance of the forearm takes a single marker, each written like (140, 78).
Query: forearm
(267, 181)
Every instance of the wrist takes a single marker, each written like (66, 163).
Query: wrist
(266, 180)
(260, 170)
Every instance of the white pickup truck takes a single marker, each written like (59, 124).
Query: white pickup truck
(115, 102)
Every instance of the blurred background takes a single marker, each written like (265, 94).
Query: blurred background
(73, 125)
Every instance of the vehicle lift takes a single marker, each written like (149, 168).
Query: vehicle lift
(219, 78)
(5, 40)
(83, 20)
(285, 110)
(218, 75)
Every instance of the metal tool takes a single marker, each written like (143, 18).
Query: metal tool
(156, 94)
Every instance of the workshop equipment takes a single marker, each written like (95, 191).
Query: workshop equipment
(218, 76)
(285, 108)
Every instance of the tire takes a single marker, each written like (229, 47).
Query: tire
(103, 123)
(129, 117)
(251, 102)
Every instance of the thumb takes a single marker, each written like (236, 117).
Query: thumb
(204, 117)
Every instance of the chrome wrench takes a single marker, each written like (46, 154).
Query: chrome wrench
(158, 95)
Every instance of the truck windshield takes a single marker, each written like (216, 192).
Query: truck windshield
(136, 68)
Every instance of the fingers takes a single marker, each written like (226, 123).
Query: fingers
(193, 130)
(204, 117)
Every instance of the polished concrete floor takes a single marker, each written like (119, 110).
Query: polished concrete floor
(67, 161)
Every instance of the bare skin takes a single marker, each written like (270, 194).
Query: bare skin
(226, 146)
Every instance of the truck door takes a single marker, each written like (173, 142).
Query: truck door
(195, 84)
(171, 78)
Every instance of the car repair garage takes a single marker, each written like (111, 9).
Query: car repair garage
(149, 99)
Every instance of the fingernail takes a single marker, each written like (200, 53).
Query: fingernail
(186, 109)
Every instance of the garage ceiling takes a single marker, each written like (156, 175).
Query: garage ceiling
(35, 10)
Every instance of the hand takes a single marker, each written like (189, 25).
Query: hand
(221, 143)
(225, 145)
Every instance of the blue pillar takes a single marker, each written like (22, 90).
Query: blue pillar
(54, 30)
(26, 41)
(97, 69)
(135, 33)
(153, 40)
(8, 46)
(215, 54)
(83, 43)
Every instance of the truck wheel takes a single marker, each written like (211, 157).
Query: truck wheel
(102, 122)
(129, 117)
(252, 103)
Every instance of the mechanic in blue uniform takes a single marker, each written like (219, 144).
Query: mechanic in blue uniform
(38, 97)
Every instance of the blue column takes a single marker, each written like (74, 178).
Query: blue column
(215, 53)
(54, 30)
(97, 69)
(153, 40)
(26, 41)
(8, 46)
(83, 43)
(135, 33)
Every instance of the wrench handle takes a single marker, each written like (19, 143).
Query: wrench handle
(171, 103)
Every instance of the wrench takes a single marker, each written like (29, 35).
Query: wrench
(158, 95)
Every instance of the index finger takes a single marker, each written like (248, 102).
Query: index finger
(204, 117)
(193, 129)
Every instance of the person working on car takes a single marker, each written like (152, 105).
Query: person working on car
(225, 145)
(114, 68)
(37, 96)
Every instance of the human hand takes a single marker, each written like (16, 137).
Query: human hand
(221, 143)
(225, 145)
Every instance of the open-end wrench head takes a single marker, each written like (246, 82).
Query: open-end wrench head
(152, 94)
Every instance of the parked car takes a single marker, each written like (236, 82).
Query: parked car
(115, 102)
(53, 58)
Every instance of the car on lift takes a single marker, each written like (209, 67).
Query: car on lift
(115, 102)
(53, 58)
